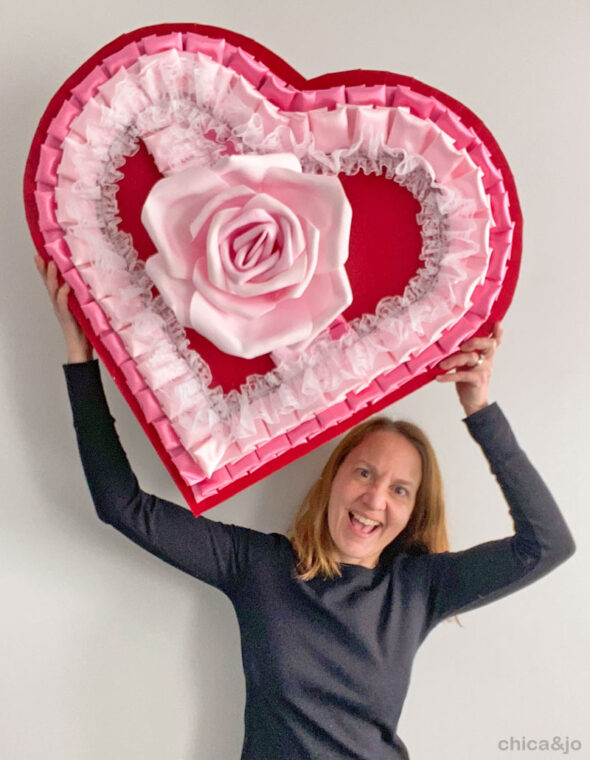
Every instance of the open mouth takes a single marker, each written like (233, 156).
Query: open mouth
(360, 528)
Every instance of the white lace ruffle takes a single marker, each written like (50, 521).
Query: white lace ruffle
(185, 107)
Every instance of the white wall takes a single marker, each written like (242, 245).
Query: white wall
(107, 652)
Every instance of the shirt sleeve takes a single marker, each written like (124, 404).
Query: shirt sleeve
(464, 580)
(211, 551)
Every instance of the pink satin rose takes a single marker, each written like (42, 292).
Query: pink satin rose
(251, 252)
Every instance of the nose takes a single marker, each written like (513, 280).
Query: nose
(375, 496)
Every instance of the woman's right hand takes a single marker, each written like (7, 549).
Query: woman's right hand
(78, 347)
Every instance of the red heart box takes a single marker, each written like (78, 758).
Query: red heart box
(432, 127)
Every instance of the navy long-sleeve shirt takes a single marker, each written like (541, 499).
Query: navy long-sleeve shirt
(327, 662)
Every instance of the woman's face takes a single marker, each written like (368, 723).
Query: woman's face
(372, 496)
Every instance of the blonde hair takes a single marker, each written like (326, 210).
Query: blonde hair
(426, 531)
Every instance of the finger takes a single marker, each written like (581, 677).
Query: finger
(467, 359)
(485, 346)
(462, 376)
(51, 280)
(498, 332)
(61, 298)
(40, 263)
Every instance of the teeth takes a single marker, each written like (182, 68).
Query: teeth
(365, 520)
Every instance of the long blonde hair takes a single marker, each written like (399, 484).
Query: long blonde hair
(426, 531)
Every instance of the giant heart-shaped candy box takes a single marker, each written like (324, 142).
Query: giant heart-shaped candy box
(434, 245)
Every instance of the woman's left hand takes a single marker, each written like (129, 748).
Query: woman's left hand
(472, 366)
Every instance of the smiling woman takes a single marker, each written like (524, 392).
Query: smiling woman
(384, 473)
(331, 618)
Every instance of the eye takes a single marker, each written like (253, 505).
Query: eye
(400, 490)
(364, 473)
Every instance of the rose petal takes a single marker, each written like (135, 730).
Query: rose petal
(245, 263)
(178, 291)
(311, 261)
(327, 297)
(216, 250)
(324, 204)
(168, 211)
(255, 251)
(246, 308)
(229, 204)
(253, 168)
(249, 338)
(292, 232)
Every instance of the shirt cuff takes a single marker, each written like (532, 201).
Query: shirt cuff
(492, 431)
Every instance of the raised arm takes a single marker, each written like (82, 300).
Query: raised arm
(208, 550)
(464, 580)
(541, 540)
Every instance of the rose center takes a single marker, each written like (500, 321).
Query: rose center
(255, 244)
